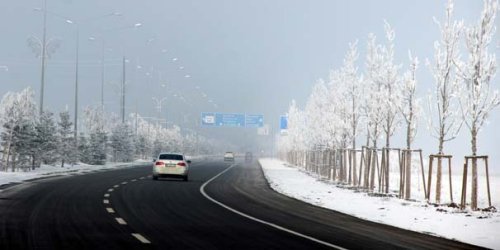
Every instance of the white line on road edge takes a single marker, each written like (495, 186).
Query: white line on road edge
(121, 221)
(110, 210)
(105, 201)
(202, 190)
(141, 238)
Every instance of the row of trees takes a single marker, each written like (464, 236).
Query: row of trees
(28, 140)
(380, 100)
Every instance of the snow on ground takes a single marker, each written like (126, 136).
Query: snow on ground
(478, 228)
(48, 171)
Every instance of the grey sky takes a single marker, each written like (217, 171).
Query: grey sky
(246, 56)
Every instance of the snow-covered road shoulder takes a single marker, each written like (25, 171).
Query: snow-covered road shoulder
(478, 228)
(45, 171)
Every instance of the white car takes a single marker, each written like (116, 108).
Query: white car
(171, 165)
(229, 156)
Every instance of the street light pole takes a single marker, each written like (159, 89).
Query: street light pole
(43, 45)
(76, 80)
(123, 92)
(102, 75)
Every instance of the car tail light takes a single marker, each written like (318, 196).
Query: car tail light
(182, 164)
(159, 163)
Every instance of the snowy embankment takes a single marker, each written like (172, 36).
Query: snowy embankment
(49, 171)
(478, 228)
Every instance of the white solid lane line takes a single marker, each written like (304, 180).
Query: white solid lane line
(123, 183)
(106, 195)
(110, 190)
(121, 221)
(116, 186)
(134, 180)
(141, 238)
(202, 190)
(110, 210)
(105, 201)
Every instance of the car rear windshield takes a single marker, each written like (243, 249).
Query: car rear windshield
(171, 157)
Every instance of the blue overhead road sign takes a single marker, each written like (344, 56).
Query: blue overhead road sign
(254, 121)
(208, 119)
(230, 120)
(214, 119)
(283, 122)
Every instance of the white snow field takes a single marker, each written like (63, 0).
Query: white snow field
(474, 227)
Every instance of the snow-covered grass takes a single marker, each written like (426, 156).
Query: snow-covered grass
(478, 228)
(48, 171)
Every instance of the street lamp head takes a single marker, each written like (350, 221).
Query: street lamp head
(117, 14)
(91, 38)
(137, 25)
(69, 21)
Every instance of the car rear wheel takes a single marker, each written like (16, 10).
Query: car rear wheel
(155, 177)
(185, 178)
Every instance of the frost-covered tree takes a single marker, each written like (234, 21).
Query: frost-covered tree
(17, 110)
(445, 119)
(122, 144)
(409, 105)
(386, 75)
(351, 88)
(25, 145)
(316, 112)
(296, 127)
(83, 149)
(66, 146)
(96, 147)
(339, 110)
(478, 99)
(375, 98)
(409, 108)
(96, 127)
(46, 138)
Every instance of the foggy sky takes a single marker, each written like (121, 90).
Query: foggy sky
(246, 56)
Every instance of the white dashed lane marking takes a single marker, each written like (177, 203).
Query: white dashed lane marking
(121, 221)
(141, 238)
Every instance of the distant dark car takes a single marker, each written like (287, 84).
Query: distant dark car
(248, 156)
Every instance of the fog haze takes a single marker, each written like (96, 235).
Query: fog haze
(217, 56)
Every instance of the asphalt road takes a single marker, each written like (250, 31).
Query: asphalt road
(126, 209)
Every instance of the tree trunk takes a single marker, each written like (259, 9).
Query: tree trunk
(14, 162)
(33, 162)
(439, 169)
(474, 168)
(9, 147)
(408, 175)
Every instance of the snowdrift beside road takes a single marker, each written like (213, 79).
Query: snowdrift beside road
(478, 228)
